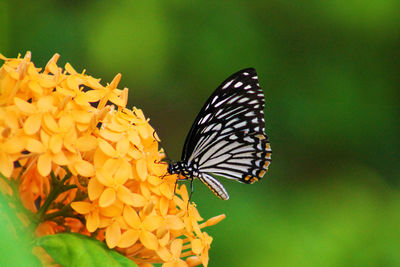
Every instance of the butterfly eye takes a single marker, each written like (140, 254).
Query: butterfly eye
(227, 138)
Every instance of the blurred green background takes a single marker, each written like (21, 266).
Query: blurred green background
(330, 74)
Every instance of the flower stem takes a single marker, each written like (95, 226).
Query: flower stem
(57, 187)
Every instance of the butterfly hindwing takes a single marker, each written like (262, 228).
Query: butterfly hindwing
(246, 159)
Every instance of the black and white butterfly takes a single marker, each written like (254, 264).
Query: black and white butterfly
(228, 137)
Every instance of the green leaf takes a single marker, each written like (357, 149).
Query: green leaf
(15, 238)
(69, 250)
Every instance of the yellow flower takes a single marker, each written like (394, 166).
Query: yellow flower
(59, 133)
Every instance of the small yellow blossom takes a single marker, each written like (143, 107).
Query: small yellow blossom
(60, 134)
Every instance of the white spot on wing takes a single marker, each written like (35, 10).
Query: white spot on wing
(249, 114)
(233, 99)
(244, 99)
(217, 127)
(227, 84)
(220, 103)
(241, 124)
(215, 98)
(205, 118)
(226, 130)
(238, 84)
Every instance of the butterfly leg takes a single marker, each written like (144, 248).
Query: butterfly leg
(191, 192)
(176, 185)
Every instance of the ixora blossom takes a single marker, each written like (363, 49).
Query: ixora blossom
(82, 162)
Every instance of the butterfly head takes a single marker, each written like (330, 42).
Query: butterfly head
(174, 168)
(181, 169)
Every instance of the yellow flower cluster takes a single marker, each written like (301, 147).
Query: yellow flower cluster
(57, 123)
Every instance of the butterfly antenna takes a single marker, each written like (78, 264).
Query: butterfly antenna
(155, 136)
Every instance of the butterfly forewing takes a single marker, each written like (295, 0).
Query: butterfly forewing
(227, 138)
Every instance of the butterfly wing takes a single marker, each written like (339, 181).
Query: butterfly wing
(227, 138)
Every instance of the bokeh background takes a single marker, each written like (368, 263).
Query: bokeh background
(330, 74)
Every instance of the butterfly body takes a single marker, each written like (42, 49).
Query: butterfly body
(181, 168)
(228, 137)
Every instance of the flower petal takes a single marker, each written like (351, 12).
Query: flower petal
(141, 168)
(111, 165)
(110, 135)
(122, 146)
(164, 205)
(60, 159)
(66, 123)
(123, 173)
(95, 188)
(166, 190)
(148, 240)
(24, 106)
(107, 148)
(32, 124)
(107, 198)
(176, 247)
(92, 221)
(14, 145)
(197, 248)
(164, 240)
(128, 238)
(86, 143)
(34, 146)
(44, 164)
(104, 178)
(50, 123)
(152, 222)
(112, 211)
(55, 143)
(164, 254)
(144, 133)
(125, 195)
(113, 235)
(131, 217)
(193, 260)
(81, 207)
(84, 168)
(6, 165)
(174, 222)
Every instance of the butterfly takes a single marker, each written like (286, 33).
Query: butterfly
(227, 138)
